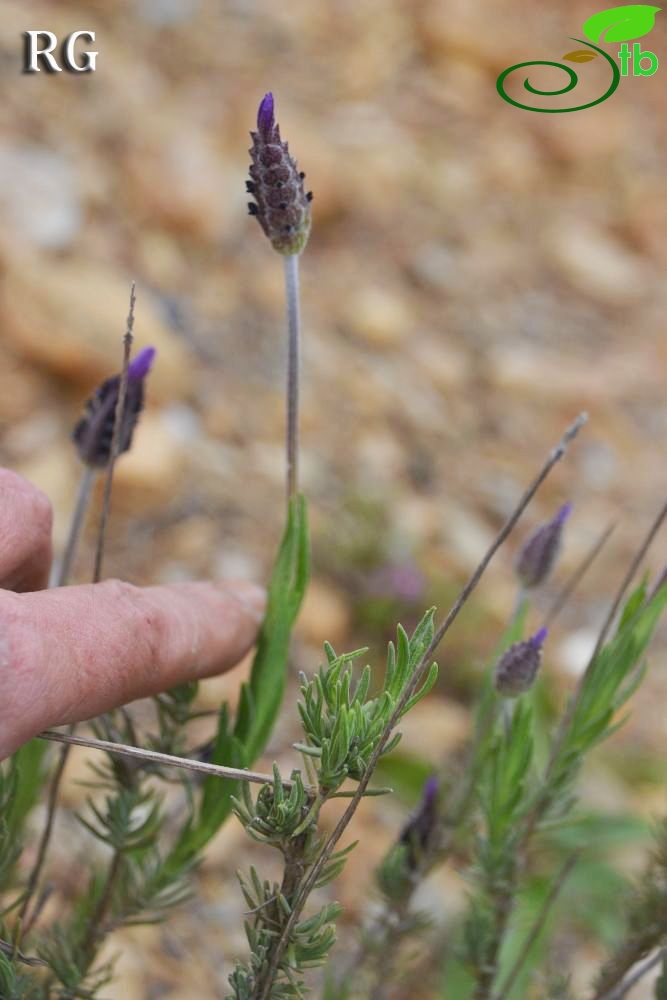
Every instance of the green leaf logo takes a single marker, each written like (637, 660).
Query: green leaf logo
(581, 55)
(620, 24)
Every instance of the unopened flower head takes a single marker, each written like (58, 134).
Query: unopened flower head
(281, 205)
(516, 669)
(93, 435)
(538, 555)
(419, 831)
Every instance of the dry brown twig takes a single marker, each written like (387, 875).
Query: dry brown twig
(119, 417)
(164, 759)
(26, 922)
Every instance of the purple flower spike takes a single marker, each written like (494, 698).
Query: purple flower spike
(281, 204)
(539, 637)
(142, 364)
(430, 791)
(265, 113)
(516, 669)
(420, 831)
(539, 553)
(563, 513)
(93, 435)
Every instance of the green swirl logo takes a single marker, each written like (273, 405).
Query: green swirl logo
(618, 24)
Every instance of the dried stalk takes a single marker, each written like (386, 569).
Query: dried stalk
(165, 759)
(119, 417)
(24, 922)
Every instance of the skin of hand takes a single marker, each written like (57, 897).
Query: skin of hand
(71, 653)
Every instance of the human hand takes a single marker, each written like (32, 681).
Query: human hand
(71, 653)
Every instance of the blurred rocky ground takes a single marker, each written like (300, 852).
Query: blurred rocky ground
(476, 276)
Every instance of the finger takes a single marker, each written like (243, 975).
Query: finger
(74, 652)
(25, 534)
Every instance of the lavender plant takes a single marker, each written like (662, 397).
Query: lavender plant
(144, 876)
(486, 812)
(492, 808)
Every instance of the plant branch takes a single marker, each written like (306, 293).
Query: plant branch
(293, 334)
(626, 581)
(116, 439)
(10, 950)
(26, 922)
(168, 760)
(95, 929)
(419, 673)
(537, 927)
(534, 816)
(622, 990)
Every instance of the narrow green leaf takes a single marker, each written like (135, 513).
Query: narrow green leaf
(28, 762)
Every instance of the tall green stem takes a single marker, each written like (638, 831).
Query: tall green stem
(293, 334)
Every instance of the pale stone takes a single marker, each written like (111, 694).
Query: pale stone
(324, 615)
(39, 195)
(154, 466)
(379, 317)
(596, 263)
(69, 315)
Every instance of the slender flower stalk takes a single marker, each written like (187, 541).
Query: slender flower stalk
(293, 364)
(282, 208)
(84, 494)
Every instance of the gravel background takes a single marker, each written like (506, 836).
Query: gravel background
(476, 276)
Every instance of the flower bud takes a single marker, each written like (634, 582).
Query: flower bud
(281, 204)
(516, 669)
(539, 553)
(93, 435)
(418, 833)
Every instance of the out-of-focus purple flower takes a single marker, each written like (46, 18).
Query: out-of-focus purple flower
(281, 204)
(402, 582)
(516, 669)
(93, 434)
(539, 553)
(418, 834)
